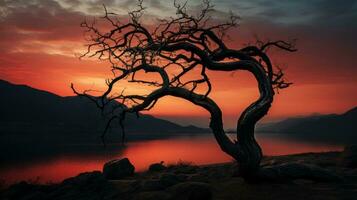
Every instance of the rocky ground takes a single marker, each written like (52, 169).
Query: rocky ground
(186, 181)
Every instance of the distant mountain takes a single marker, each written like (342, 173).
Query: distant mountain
(25, 110)
(327, 125)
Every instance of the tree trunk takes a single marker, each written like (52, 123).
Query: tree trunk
(248, 152)
(249, 162)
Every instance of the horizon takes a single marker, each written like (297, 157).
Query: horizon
(187, 122)
(179, 99)
(42, 52)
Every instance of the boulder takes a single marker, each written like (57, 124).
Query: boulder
(198, 178)
(118, 169)
(152, 185)
(349, 156)
(126, 186)
(185, 169)
(156, 167)
(19, 190)
(182, 177)
(156, 195)
(294, 170)
(169, 179)
(192, 191)
(85, 179)
(88, 185)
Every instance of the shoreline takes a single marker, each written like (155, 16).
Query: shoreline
(220, 180)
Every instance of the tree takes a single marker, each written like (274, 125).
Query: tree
(186, 43)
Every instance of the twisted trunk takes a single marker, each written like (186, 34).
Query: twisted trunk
(183, 39)
(249, 163)
(246, 151)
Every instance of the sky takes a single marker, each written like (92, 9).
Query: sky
(40, 41)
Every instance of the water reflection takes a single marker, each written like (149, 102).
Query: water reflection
(72, 159)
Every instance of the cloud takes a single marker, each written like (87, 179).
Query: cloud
(44, 20)
(38, 40)
(300, 12)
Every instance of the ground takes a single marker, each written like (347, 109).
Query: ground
(187, 181)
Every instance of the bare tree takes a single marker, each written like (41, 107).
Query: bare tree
(186, 43)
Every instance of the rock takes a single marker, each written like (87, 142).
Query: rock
(20, 190)
(185, 169)
(293, 171)
(157, 195)
(182, 177)
(88, 185)
(198, 178)
(118, 169)
(126, 186)
(169, 179)
(303, 182)
(152, 185)
(192, 191)
(85, 179)
(349, 156)
(156, 167)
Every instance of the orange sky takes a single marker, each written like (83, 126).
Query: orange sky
(39, 42)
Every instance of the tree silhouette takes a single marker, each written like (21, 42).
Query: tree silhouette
(176, 47)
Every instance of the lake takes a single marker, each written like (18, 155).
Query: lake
(53, 163)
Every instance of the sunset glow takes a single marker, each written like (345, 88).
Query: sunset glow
(171, 151)
(178, 99)
(42, 51)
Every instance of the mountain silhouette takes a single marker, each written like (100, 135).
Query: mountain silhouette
(332, 125)
(28, 111)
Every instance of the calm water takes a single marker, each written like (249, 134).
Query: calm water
(69, 161)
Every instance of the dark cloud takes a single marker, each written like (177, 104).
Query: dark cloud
(325, 29)
(325, 54)
(325, 12)
(326, 33)
(43, 20)
(33, 31)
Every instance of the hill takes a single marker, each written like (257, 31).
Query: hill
(323, 125)
(27, 111)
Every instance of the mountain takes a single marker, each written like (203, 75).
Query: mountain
(28, 112)
(325, 125)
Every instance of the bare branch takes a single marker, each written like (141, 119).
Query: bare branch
(180, 45)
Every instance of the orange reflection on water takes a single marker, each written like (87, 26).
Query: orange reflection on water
(198, 150)
(51, 171)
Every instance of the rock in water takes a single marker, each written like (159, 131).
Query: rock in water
(118, 169)
(350, 156)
